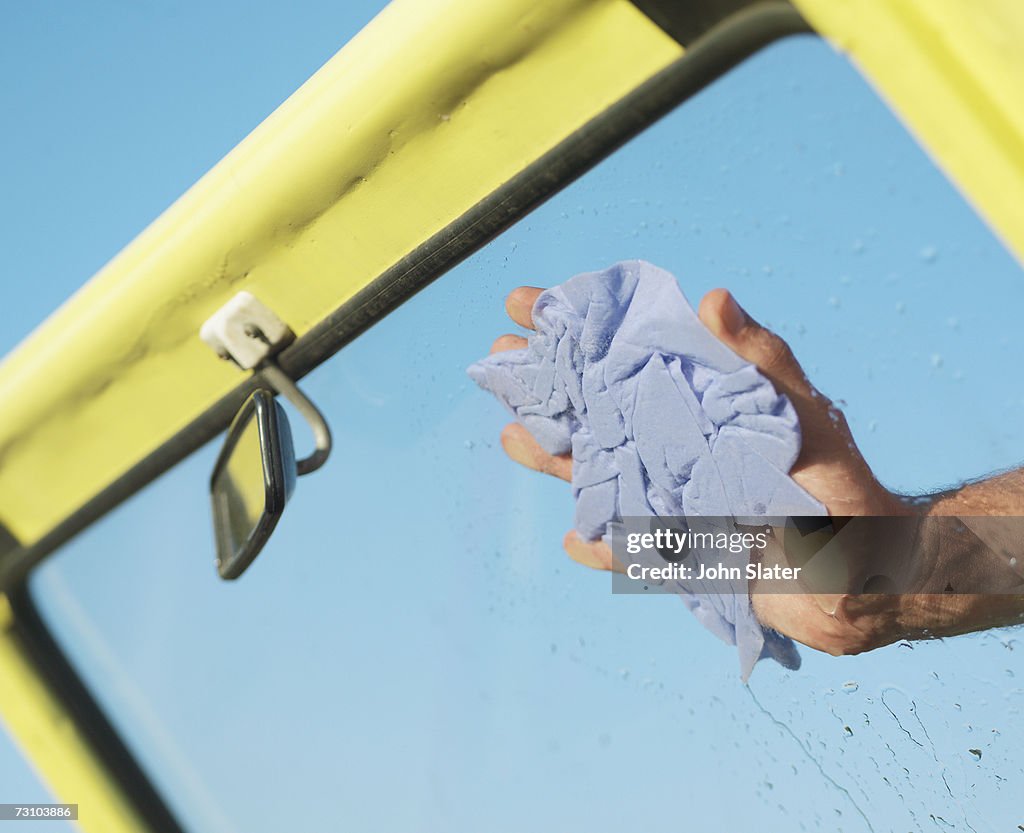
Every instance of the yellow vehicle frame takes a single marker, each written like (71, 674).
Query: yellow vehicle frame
(400, 157)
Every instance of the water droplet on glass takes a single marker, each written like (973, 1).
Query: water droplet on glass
(976, 753)
(936, 360)
(834, 302)
(850, 686)
(929, 254)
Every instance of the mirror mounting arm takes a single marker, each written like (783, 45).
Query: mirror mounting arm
(250, 334)
(282, 383)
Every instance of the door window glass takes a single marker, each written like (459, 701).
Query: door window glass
(413, 650)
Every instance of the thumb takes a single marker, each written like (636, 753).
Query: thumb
(826, 433)
(829, 466)
(761, 347)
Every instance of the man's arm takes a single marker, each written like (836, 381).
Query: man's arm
(832, 469)
(1002, 494)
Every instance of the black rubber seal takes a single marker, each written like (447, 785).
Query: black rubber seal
(63, 682)
(688, 20)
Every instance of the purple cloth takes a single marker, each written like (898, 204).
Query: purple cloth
(661, 419)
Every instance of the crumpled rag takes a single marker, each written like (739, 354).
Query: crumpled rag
(661, 418)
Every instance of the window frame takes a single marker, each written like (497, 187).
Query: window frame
(731, 39)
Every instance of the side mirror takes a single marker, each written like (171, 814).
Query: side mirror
(252, 480)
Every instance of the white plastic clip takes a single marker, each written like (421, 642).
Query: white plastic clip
(250, 333)
(246, 331)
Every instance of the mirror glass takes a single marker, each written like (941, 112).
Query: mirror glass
(251, 482)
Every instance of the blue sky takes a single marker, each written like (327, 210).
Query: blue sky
(413, 649)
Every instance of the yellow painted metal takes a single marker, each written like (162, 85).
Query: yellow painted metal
(953, 70)
(432, 107)
(49, 739)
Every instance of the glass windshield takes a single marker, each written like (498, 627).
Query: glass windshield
(412, 650)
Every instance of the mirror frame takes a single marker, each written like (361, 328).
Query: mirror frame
(279, 473)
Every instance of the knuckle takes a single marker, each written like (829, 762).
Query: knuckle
(545, 462)
(846, 642)
(777, 353)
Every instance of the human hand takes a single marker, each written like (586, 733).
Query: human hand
(829, 467)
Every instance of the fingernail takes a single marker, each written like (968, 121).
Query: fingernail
(733, 317)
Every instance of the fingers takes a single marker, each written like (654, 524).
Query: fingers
(520, 445)
(519, 305)
(826, 623)
(523, 448)
(594, 554)
(748, 339)
(508, 342)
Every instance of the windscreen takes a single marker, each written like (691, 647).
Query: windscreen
(413, 650)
